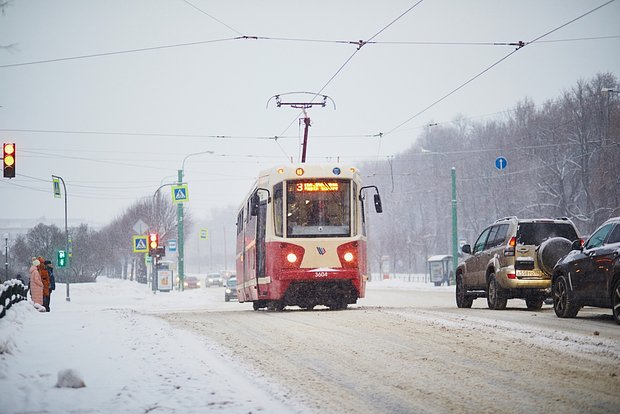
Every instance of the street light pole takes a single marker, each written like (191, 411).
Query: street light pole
(181, 246)
(67, 271)
(455, 241)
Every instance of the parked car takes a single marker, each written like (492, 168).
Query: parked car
(589, 275)
(513, 258)
(191, 282)
(214, 279)
(231, 289)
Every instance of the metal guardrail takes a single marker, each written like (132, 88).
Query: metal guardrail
(11, 292)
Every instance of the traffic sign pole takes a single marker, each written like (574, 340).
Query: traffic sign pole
(180, 238)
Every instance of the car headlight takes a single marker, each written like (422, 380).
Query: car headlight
(228, 291)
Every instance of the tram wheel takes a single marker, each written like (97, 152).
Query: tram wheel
(275, 306)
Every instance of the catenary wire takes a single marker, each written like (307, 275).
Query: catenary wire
(361, 44)
(494, 65)
(212, 17)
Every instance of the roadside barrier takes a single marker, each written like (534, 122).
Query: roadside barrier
(11, 291)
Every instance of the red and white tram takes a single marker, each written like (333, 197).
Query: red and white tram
(301, 238)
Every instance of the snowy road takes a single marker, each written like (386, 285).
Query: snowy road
(412, 350)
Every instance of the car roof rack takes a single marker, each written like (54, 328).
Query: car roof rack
(506, 219)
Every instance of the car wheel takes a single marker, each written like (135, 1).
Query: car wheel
(256, 305)
(562, 301)
(495, 298)
(615, 301)
(226, 298)
(534, 303)
(462, 301)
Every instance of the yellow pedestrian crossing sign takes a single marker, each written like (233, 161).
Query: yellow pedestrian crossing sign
(140, 244)
(56, 182)
(180, 193)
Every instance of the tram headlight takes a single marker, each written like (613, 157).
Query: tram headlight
(291, 257)
(348, 256)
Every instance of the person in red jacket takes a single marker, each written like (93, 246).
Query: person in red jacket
(45, 278)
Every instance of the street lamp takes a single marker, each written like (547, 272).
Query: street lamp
(181, 248)
(455, 239)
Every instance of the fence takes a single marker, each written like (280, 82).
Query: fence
(11, 291)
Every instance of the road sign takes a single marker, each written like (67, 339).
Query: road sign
(180, 193)
(140, 244)
(140, 227)
(501, 163)
(172, 245)
(204, 233)
(56, 182)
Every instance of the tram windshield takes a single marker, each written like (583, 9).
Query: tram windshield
(318, 208)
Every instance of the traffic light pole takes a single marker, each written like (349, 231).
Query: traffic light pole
(67, 271)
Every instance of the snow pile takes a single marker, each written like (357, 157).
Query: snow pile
(131, 361)
(69, 378)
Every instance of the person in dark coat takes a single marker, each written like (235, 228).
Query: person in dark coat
(50, 271)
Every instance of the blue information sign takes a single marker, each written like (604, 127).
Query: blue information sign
(501, 163)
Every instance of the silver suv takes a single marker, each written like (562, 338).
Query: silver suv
(513, 258)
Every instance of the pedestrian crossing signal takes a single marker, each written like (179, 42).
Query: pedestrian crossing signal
(61, 258)
(8, 158)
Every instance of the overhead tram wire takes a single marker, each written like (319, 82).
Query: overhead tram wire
(359, 47)
(118, 52)
(521, 46)
(359, 43)
(142, 134)
(212, 17)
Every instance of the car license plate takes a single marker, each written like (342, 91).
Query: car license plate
(528, 273)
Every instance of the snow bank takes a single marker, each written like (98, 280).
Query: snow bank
(130, 361)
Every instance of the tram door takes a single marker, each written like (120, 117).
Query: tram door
(261, 226)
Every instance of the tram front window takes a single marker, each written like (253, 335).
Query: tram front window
(318, 208)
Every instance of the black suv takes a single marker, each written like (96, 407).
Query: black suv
(513, 258)
(590, 275)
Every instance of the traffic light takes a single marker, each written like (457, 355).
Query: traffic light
(61, 258)
(8, 157)
(153, 244)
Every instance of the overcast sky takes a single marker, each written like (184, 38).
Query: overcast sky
(113, 95)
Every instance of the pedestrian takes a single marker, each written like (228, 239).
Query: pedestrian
(50, 269)
(45, 278)
(36, 284)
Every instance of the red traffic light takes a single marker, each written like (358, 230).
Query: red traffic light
(153, 241)
(8, 158)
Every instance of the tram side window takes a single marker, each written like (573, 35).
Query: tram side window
(278, 209)
(240, 222)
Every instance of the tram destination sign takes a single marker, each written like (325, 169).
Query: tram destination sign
(316, 186)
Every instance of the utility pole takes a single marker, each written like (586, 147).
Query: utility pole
(303, 105)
